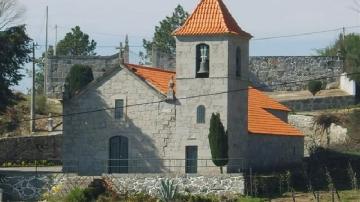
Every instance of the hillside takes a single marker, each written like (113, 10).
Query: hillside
(15, 121)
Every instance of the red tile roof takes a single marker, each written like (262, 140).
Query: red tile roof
(156, 77)
(211, 17)
(260, 120)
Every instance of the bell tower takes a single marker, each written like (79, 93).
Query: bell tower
(212, 55)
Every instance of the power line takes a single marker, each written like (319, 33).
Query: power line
(298, 35)
(255, 39)
(192, 97)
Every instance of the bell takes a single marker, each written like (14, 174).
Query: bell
(204, 68)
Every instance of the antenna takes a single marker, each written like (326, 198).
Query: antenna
(46, 48)
(56, 30)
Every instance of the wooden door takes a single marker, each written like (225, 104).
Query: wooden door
(191, 159)
(119, 155)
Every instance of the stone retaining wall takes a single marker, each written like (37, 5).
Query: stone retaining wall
(320, 103)
(224, 184)
(33, 187)
(337, 134)
(44, 147)
(272, 70)
(264, 70)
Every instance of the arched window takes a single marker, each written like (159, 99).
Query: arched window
(238, 62)
(200, 114)
(202, 61)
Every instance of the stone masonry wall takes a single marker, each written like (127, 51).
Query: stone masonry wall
(33, 187)
(305, 123)
(59, 67)
(30, 148)
(320, 103)
(272, 70)
(266, 70)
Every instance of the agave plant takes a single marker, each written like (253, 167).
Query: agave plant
(167, 190)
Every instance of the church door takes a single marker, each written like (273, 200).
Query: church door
(191, 159)
(118, 157)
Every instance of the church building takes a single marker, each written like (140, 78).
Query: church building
(139, 119)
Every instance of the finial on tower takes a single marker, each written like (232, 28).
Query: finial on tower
(171, 92)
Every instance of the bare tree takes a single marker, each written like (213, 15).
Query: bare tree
(10, 13)
(356, 6)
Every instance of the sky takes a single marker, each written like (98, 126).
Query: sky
(108, 21)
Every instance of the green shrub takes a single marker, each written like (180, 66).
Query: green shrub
(41, 105)
(78, 77)
(76, 195)
(353, 125)
(140, 197)
(314, 86)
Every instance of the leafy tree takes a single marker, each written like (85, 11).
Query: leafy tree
(218, 140)
(315, 86)
(78, 77)
(348, 48)
(14, 53)
(39, 72)
(163, 39)
(76, 43)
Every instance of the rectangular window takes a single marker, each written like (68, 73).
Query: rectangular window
(119, 109)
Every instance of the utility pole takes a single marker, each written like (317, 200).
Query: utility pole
(46, 48)
(32, 115)
(56, 32)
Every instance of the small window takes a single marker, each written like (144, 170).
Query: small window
(119, 109)
(238, 62)
(202, 61)
(200, 117)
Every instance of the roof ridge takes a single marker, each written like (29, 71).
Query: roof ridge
(224, 17)
(151, 68)
(210, 17)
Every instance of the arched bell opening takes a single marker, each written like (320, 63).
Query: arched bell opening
(202, 61)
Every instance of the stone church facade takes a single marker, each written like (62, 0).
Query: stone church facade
(143, 119)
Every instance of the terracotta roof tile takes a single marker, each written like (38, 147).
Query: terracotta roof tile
(211, 17)
(260, 121)
(157, 77)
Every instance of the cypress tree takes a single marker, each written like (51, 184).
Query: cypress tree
(218, 140)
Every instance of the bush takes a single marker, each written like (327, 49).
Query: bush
(78, 77)
(41, 105)
(353, 125)
(314, 87)
(95, 189)
(76, 195)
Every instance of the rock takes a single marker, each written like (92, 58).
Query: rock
(333, 85)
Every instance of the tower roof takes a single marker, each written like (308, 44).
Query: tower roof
(211, 17)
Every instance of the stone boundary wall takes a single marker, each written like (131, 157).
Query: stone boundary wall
(320, 103)
(33, 187)
(30, 148)
(59, 66)
(272, 70)
(264, 70)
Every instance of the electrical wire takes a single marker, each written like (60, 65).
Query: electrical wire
(191, 97)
